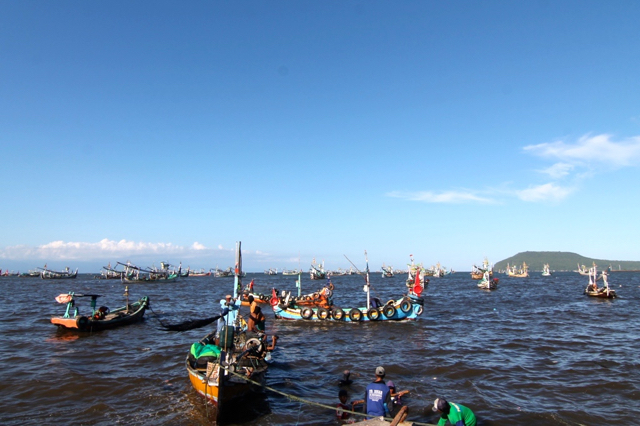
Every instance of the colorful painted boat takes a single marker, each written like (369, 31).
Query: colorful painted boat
(404, 309)
(227, 367)
(100, 318)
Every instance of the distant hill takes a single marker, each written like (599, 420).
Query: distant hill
(563, 261)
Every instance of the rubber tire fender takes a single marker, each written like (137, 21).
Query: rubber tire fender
(254, 342)
(337, 314)
(420, 310)
(82, 322)
(306, 313)
(355, 315)
(405, 305)
(373, 314)
(389, 311)
(322, 314)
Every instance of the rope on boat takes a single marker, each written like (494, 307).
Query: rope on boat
(306, 401)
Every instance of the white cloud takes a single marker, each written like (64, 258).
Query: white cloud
(558, 170)
(592, 150)
(546, 192)
(61, 250)
(452, 197)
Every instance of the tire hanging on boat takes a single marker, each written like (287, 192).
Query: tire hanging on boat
(82, 322)
(389, 311)
(306, 313)
(405, 305)
(322, 314)
(419, 311)
(355, 315)
(373, 314)
(337, 314)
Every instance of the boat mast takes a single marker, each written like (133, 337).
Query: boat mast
(366, 280)
(238, 270)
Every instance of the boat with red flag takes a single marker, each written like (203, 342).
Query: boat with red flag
(405, 308)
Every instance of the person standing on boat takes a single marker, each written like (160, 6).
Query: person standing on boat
(377, 397)
(457, 414)
(229, 312)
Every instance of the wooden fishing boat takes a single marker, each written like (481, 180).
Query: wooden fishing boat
(416, 272)
(48, 274)
(271, 271)
(477, 272)
(387, 271)
(406, 308)
(593, 290)
(523, 272)
(226, 368)
(199, 273)
(317, 272)
(136, 274)
(101, 318)
(291, 272)
(488, 283)
(583, 270)
(546, 272)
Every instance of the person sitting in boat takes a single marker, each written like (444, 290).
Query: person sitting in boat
(101, 313)
(376, 302)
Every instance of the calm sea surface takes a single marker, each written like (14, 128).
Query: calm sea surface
(534, 352)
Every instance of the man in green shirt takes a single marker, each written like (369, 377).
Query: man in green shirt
(458, 415)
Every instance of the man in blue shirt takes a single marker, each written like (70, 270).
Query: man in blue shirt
(229, 312)
(377, 398)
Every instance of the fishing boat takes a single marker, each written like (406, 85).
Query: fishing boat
(317, 272)
(226, 368)
(31, 274)
(488, 283)
(109, 273)
(199, 273)
(136, 274)
(416, 272)
(291, 271)
(523, 272)
(271, 271)
(48, 274)
(583, 270)
(406, 308)
(100, 318)
(387, 271)
(593, 290)
(546, 272)
(477, 272)
(219, 273)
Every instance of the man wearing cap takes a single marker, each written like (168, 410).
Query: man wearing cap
(457, 414)
(229, 311)
(377, 397)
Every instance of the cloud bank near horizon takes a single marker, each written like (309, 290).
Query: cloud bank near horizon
(106, 249)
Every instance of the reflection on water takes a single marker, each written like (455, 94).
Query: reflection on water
(535, 352)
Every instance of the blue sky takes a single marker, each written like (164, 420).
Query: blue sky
(450, 130)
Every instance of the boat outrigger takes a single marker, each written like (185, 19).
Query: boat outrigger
(100, 318)
(406, 308)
